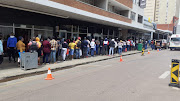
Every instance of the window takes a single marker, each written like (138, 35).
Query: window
(91, 2)
(133, 16)
(140, 18)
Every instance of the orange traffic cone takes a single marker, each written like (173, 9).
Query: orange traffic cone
(121, 58)
(157, 50)
(49, 76)
(148, 52)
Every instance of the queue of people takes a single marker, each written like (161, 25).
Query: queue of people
(53, 50)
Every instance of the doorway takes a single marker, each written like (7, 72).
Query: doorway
(25, 33)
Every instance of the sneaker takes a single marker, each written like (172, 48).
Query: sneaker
(47, 63)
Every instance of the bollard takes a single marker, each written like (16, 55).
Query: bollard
(142, 52)
(174, 73)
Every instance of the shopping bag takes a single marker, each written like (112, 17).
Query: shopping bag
(80, 52)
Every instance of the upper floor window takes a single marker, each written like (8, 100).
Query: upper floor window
(133, 16)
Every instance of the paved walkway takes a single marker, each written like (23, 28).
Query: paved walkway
(10, 69)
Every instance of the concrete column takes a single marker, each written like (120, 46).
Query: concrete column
(151, 35)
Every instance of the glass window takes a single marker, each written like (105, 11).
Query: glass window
(133, 16)
(175, 39)
(6, 31)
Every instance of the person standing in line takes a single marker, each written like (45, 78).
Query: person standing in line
(11, 46)
(33, 45)
(84, 47)
(112, 46)
(120, 45)
(64, 50)
(39, 50)
(78, 47)
(72, 45)
(46, 51)
(101, 47)
(106, 43)
(124, 45)
(54, 47)
(59, 49)
(116, 47)
(1, 49)
(128, 45)
(97, 46)
(88, 49)
(20, 47)
(93, 45)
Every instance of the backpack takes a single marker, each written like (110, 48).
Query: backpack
(79, 44)
(33, 47)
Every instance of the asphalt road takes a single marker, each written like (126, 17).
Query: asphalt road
(138, 78)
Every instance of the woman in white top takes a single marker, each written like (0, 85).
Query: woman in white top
(93, 45)
(120, 45)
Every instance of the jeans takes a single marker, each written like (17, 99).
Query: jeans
(88, 50)
(124, 47)
(53, 55)
(120, 51)
(11, 52)
(71, 52)
(101, 50)
(97, 49)
(64, 51)
(111, 50)
(92, 51)
(128, 47)
(77, 53)
(85, 51)
(45, 57)
(105, 49)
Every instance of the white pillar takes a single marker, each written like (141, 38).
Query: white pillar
(151, 35)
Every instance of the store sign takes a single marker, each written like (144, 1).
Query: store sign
(23, 26)
(142, 3)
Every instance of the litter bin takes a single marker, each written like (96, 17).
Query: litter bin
(140, 46)
(29, 60)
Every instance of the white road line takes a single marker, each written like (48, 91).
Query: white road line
(164, 75)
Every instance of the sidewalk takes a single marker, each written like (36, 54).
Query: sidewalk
(7, 72)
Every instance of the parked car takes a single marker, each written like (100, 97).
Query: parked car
(175, 42)
(162, 44)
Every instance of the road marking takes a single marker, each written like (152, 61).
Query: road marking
(164, 75)
(175, 88)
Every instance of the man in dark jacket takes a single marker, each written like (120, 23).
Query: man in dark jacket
(84, 47)
(46, 50)
(11, 45)
(112, 46)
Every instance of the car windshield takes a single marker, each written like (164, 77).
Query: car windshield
(175, 39)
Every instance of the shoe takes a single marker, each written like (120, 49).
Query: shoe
(47, 63)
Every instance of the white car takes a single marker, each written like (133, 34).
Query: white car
(174, 42)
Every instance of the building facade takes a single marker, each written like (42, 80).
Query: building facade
(72, 18)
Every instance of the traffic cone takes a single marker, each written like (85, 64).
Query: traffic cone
(157, 50)
(121, 60)
(49, 76)
(148, 52)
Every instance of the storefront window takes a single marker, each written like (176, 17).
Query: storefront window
(75, 28)
(66, 27)
(6, 31)
(83, 29)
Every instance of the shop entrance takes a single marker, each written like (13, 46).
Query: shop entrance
(82, 36)
(25, 33)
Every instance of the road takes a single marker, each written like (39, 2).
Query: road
(137, 78)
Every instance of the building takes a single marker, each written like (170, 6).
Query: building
(72, 18)
(162, 11)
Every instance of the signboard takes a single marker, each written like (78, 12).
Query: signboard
(142, 3)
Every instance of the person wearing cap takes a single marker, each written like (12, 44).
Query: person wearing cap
(20, 47)
(112, 46)
(105, 44)
(78, 47)
(120, 45)
(1, 49)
